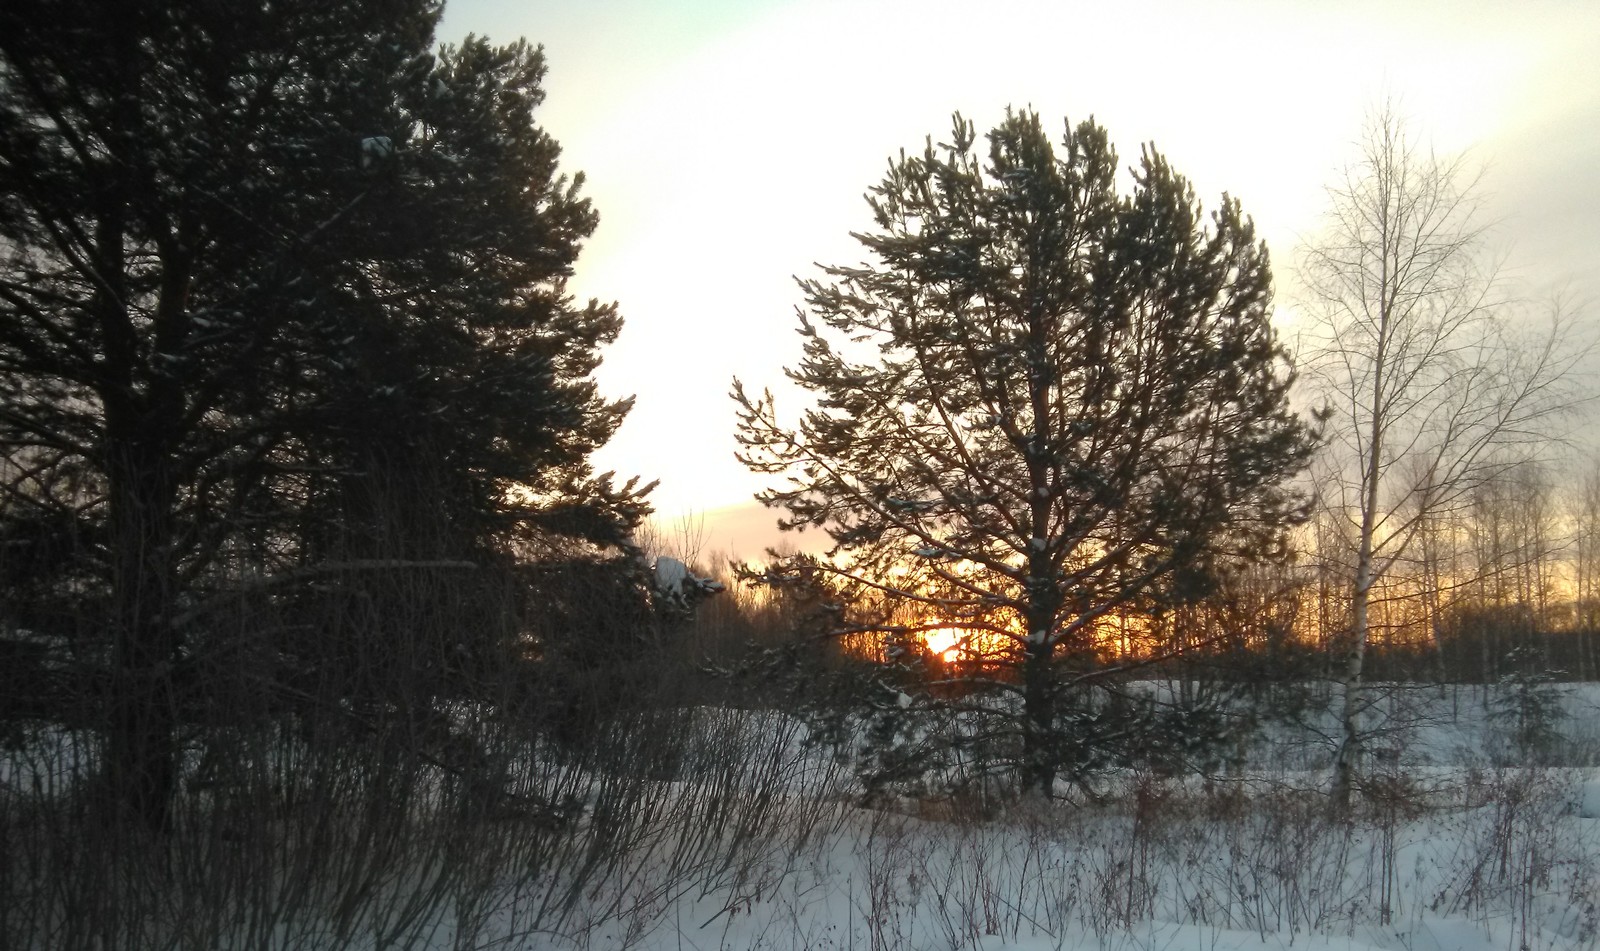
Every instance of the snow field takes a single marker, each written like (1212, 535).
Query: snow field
(1507, 866)
(749, 837)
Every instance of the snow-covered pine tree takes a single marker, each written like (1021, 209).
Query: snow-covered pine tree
(1041, 408)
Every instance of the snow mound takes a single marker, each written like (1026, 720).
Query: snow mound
(671, 574)
(1589, 800)
(1442, 934)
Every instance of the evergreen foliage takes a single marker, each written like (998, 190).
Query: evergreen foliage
(1528, 708)
(281, 299)
(1043, 410)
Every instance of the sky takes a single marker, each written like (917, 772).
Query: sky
(727, 145)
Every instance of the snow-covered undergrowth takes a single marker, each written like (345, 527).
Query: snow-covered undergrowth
(1507, 861)
(505, 841)
(747, 838)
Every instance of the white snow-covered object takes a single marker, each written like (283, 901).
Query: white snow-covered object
(376, 150)
(670, 574)
(675, 581)
(1589, 800)
(1448, 934)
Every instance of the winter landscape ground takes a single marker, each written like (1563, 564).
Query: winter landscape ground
(1467, 837)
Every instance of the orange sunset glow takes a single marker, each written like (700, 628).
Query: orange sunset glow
(943, 641)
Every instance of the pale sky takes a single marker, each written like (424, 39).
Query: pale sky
(728, 143)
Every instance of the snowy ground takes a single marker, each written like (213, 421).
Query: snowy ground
(1267, 870)
(1460, 846)
(1461, 849)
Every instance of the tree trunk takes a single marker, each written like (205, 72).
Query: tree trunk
(142, 412)
(1347, 762)
(1038, 720)
(141, 760)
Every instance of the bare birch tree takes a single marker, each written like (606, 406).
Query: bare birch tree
(1433, 379)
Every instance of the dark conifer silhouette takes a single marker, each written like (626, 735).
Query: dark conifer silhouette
(281, 294)
(1041, 405)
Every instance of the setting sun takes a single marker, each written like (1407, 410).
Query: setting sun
(943, 641)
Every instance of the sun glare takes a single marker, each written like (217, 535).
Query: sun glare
(943, 641)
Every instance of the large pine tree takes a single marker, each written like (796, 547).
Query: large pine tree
(1041, 405)
(281, 292)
